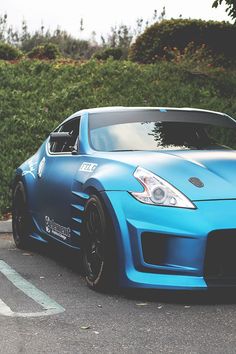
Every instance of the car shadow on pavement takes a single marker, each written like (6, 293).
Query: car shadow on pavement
(66, 257)
(212, 296)
(72, 260)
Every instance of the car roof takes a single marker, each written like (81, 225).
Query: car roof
(135, 109)
(128, 109)
(140, 109)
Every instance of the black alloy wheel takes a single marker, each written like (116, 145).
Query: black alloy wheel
(98, 247)
(20, 217)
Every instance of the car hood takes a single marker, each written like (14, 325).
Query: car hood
(216, 170)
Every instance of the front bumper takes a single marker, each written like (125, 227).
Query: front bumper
(165, 247)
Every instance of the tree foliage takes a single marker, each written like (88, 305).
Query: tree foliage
(114, 53)
(68, 45)
(230, 7)
(46, 51)
(120, 37)
(9, 52)
(151, 45)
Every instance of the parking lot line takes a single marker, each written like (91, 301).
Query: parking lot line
(50, 306)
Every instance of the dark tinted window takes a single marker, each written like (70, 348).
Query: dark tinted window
(71, 127)
(186, 131)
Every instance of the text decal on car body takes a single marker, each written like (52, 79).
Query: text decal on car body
(55, 229)
(88, 167)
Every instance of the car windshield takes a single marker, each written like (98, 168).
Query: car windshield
(156, 130)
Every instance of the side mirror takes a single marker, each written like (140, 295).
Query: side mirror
(60, 137)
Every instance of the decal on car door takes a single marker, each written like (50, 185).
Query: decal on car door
(88, 167)
(57, 230)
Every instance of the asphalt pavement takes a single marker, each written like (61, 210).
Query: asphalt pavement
(46, 307)
(6, 226)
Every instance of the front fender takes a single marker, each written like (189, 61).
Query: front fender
(108, 175)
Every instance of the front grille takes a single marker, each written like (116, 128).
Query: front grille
(154, 247)
(220, 259)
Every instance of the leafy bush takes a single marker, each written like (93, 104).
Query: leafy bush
(69, 46)
(192, 58)
(36, 95)
(114, 53)
(9, 52)
(219, 38)
(45, 51)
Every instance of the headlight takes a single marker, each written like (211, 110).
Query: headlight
(157, 191)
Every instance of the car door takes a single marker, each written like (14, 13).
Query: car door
(55, 178)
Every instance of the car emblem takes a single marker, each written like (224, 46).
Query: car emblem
(196, 182)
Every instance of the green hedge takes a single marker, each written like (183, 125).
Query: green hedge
(219, 37)
(35, 96)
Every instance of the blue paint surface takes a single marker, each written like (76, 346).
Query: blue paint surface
(63, 190)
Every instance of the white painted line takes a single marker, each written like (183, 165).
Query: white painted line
(4, 309)
(50, 306)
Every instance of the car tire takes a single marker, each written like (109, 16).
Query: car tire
(99, 255)
(20, 217)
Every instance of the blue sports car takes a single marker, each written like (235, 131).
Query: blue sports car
(147, 194)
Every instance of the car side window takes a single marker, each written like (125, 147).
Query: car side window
(71, 127)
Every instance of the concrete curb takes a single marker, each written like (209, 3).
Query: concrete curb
(5, 227)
